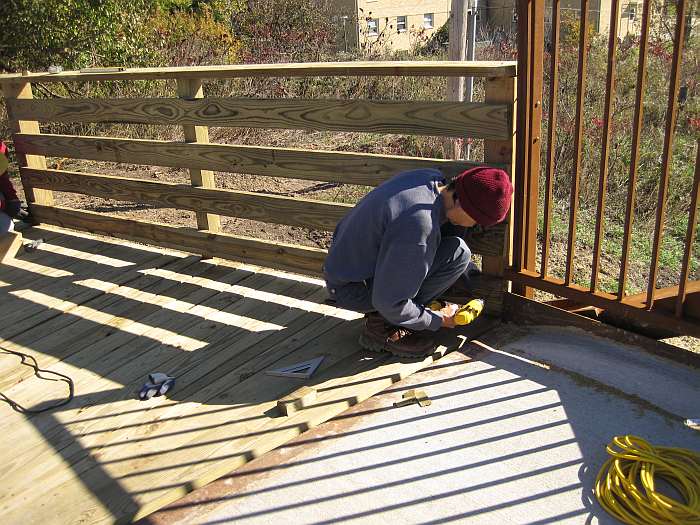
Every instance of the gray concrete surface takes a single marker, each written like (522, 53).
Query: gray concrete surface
(506, 440)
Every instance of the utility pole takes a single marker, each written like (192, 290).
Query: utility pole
(457, 50)
(471, 46)
(345, 32)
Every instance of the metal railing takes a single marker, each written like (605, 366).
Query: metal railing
(675, 308)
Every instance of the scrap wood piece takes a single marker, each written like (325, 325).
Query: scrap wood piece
(296, 401)
(414, 396)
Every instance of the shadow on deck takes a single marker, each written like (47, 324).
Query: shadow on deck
(106, 313)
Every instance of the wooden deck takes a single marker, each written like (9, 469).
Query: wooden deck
(106, 313)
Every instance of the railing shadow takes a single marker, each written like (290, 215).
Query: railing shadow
(126, 454)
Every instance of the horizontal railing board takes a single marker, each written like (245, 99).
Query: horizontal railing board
(291, 211)
(283, 256)
(456, 119)
(331, 166)
(388, 68)
(304, 213)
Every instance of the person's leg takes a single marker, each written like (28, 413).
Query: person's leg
(451, 260)
(378, 335)
(351, 296)
(6, 224)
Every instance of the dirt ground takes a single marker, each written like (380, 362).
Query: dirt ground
(315, 190)
(170, 216)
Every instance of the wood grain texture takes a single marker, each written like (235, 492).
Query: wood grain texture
(306, 69)
(22, 91)
(304, 213)
(454, 119)
(501, 151)
(192, 89)
(348, 168)
(10, 243)
(273, 255)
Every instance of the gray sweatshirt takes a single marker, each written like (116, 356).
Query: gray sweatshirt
(391, 236)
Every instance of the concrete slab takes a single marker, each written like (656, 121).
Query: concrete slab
(623, 367)
(507, 439)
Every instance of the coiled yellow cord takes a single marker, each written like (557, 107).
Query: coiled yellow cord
(626, 488)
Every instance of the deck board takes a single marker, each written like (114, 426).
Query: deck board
(215, 325)
(23, 309)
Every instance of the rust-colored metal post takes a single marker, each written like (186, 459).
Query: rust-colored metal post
(551, 133)
(690, 236)
(634, 160)
(529, 116)
(604, 155)
(578, 142)
(671, 115)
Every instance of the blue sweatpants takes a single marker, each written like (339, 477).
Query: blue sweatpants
(450, 262)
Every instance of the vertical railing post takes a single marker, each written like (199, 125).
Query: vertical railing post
(605, 153)
(551, 135)
(578, 143)
(456, 51)
(690, 235)
(501, 90)
(671, 116)
(192, 89)
(528, 127)
(23, 90)
(637, 124)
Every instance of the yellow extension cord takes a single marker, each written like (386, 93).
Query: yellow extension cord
(635, 461)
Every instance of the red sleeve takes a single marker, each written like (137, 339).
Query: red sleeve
(6, 187)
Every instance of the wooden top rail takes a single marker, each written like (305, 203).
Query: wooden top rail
(308, 69)
(472, 119)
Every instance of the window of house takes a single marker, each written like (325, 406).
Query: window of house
(373, 26)
(428, 20)
(632, 12)
(401, 24)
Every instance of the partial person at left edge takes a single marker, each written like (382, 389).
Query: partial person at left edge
(10, 204)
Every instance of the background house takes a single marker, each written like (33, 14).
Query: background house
(401, 24)
(394, 22)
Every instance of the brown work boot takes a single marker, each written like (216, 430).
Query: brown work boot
(375, 333)
(378, 336)
(407, 343)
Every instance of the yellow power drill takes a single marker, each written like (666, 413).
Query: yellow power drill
(465, 314)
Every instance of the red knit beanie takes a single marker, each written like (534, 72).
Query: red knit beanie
(485, 194)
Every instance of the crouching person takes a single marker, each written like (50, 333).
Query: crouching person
(389, 259)
(10, 205)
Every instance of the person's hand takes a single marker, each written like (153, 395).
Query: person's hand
(14, 209)
(448, 315)
(24, 215)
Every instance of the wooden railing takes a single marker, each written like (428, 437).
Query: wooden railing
(673, 309)
(492, 120)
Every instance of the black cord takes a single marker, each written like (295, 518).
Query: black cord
(37, 371)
